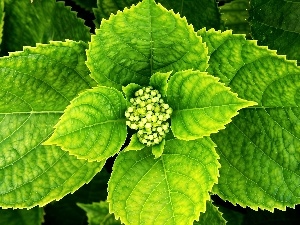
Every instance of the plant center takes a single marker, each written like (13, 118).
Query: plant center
(148, 114)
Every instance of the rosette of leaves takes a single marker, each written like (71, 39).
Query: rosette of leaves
(93, 126)
(198, 75)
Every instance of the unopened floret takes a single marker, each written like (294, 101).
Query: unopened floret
(148, 114)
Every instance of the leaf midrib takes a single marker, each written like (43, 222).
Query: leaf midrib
(208, 107)
(32, 112)
(92, 125)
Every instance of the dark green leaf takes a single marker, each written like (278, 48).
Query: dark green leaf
(27, 23)
(276, 23)
(231, 216)
(98, 214)
(288, 217)
(235, 15)
(201, 14)
(87, 4)
(211, 216)
(22, 216)
(66, 211)
(1, 19)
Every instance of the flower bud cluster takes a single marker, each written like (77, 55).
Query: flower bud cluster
(148, 114)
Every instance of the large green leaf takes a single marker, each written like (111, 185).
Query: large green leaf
(136, 43)
(98, 214)
(36, 86)
(93, 125)
(276, 23)
(172, 189)
(201, 104)
(259, 150)
(202, 13)
(211, 216)
(27, 23)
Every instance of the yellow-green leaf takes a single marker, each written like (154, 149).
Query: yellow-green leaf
(172, 189)
(36, 86)
(138, 42)
(93, 125)
(259, 149)
(201, 104)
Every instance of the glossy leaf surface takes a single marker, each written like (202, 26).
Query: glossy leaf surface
(93, 125)
(136, 43)
(201, 105)
(171, 189)
(36, 86)
(259, 149)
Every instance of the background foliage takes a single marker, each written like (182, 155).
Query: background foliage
(274, 23)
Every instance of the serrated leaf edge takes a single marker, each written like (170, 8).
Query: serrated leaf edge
(250, 103)
(50, 142)
(254, 42)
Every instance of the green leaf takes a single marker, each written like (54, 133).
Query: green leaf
(157, 150)
(201, 14)
(276, 23)
(22, 216)
(159, 81)
(93, 125)
(172, 189)
(87, 4)
(211, 216)
(1, 18)
(130, 89)
(235, 15)
(134, 144)
(29, 23)
(36, 86)
(201, 105)
(259, 149)
(136, 43)
(66, 211)
(98, 213)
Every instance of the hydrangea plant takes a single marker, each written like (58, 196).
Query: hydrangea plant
(203, 113)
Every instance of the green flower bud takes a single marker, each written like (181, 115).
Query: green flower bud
(148, 114)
